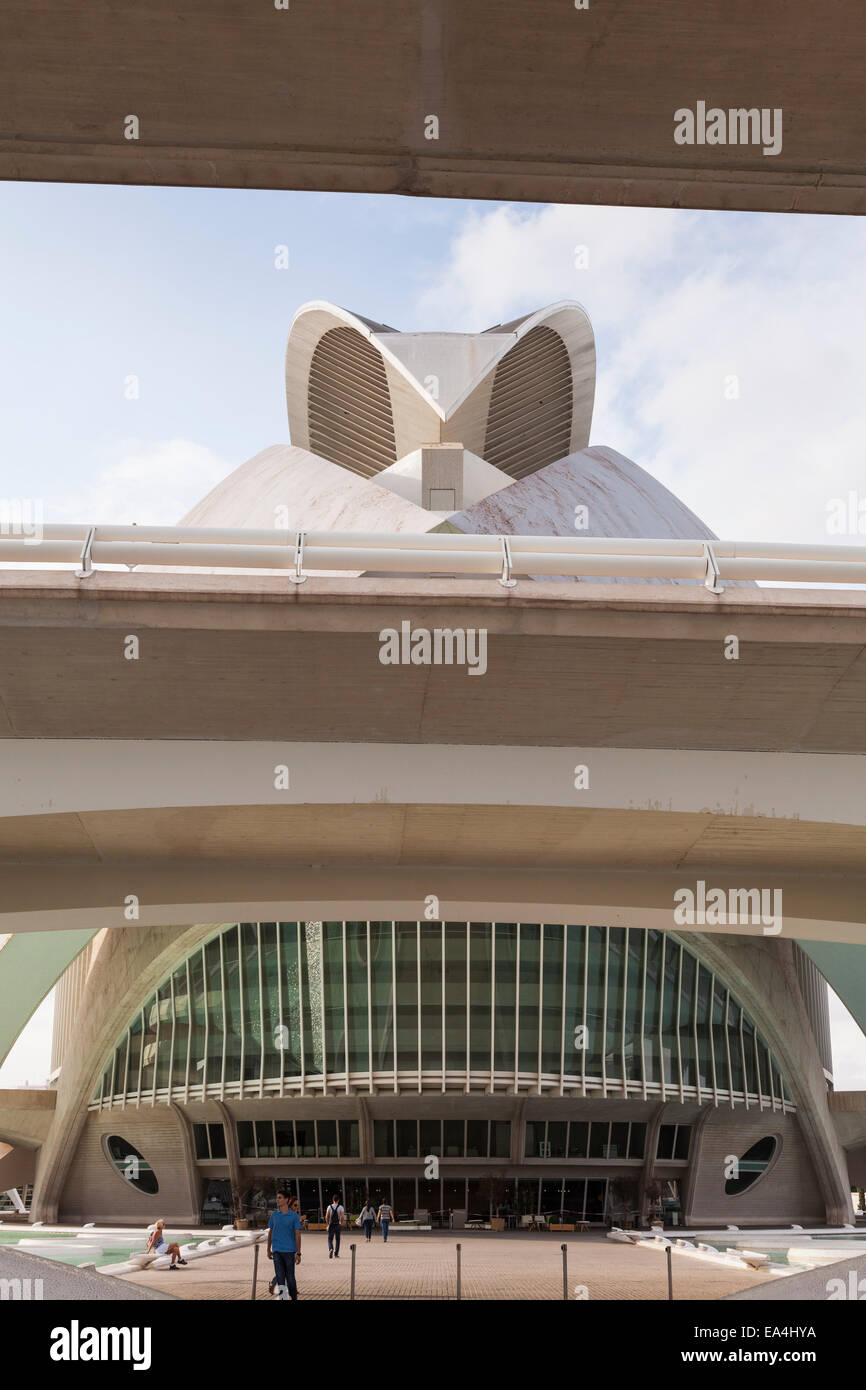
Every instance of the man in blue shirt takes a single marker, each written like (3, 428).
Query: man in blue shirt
(284, 1244)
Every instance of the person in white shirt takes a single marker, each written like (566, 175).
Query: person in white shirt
(336, 1219)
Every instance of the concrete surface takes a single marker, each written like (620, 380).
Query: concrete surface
(66, 1283)
(534, 100)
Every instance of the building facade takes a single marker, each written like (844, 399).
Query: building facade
(457, 1068)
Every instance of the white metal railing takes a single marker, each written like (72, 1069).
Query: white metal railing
(438, 553)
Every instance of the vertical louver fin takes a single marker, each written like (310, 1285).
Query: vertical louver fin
(350, 417)
(529, 421)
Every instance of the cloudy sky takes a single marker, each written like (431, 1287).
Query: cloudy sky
(731, 347)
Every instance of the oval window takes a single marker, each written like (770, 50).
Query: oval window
(751, 1166)
(130, 1165)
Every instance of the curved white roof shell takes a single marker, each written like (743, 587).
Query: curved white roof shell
(363, 394)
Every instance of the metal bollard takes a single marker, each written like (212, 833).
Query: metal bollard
(352, 1247)
(564, 1249)
(255, 1271)
(459, 1274)
(670, 1253)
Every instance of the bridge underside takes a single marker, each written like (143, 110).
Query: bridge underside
(337, 97)
(609, 757)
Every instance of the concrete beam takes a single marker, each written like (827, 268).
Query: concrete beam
(815, 907)
(531, 100)
(638, 666)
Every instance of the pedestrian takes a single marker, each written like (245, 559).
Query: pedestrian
(384, 1217)
(158, 1245)
(336, 1218)
(284, 1245)
(368, 1219)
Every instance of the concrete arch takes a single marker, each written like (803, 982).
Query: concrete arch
(129, 965)
(138, 960)
(763, 976)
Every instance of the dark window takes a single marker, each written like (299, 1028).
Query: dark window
(264, 1138)
(500, 1138)
(383, 1138)
(476, 1138)
(556, 1138)
(431, 1137)
(578, 1139)
(349, 1140)
(598, 1139)
(199, 1136)
(305, 1137)
(681, 1147)
(751, 1166)
(667, 1140)
(326, 1138)
(407, 1138)
(246, 1140)
(130, 1165)
(285, 1138)
(618, 1146)
(453, 1138)
(536, 1142)
(217, 1141)
(637, 1141)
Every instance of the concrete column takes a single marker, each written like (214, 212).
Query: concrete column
(232, 1151)
(365, 1131)
(126, 966)
(442, 477)
(189, 1155)
(649, 1158)
(518, 1129)
(694, 1162)
(763, 976)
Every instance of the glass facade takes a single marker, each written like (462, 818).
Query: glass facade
(297, 1008)
(585, 1139)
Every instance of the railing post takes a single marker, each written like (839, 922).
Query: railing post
(352, 1247)
(564, 1249)
(711, 581)
(670, 1253)
(459, 1273)
(255, 1272)
(85, 567)
(299, 577)
(506, 580)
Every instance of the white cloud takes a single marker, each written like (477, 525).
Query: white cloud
(150, 484)
(681, 302)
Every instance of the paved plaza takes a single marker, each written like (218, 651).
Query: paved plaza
(503, 1265)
